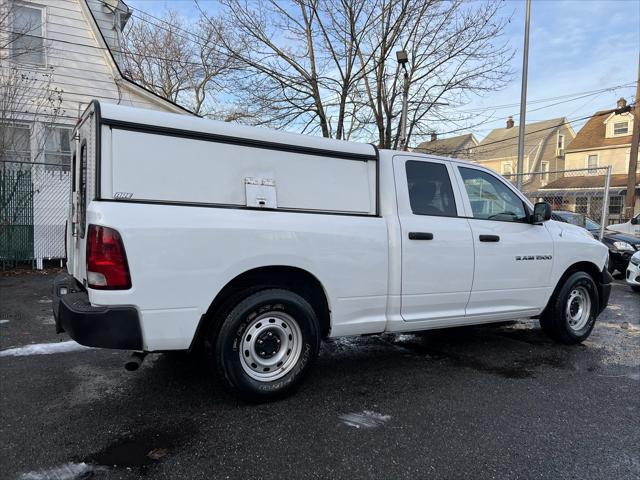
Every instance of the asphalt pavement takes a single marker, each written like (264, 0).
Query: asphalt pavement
(485, 402)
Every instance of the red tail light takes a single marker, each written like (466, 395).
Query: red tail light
(107, 267)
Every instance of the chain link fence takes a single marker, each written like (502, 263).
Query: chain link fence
(34, 199)
(581, 196)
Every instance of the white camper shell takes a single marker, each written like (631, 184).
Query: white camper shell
(256, 244)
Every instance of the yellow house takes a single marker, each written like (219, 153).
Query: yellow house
(605, 140)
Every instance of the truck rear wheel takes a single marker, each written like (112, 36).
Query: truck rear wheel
(267, 344)
(572, 310)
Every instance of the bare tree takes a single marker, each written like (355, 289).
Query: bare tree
(328, 66)
(177, 60)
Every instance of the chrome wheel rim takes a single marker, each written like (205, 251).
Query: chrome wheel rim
(578, 309)
(271, 346)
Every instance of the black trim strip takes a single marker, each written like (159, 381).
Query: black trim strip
(98, 153)
(238, 207)
(245, 142)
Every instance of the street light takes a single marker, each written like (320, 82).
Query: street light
(403, 59)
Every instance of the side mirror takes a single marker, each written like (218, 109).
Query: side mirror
(634, 221)
(541, 213)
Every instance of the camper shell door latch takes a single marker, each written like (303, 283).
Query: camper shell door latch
(260, 192)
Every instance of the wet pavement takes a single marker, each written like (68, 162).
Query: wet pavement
(482, 402)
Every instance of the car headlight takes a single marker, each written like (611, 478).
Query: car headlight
(624, 246)
(635, 260)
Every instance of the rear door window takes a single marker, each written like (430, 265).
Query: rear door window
(430, 191)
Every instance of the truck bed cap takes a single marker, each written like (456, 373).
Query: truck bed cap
(122, 114)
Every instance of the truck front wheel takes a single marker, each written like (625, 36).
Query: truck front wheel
(266, 344)
(572, 310)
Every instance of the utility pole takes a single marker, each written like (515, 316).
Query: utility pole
(523, 96)
(403, 58)
(632, 178)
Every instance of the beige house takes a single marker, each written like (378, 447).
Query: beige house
(460, 146)
(605, 140)
(544, 151)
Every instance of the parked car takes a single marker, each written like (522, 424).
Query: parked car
(254, 245)
(632, 226)
(633, 272)
(621, 246)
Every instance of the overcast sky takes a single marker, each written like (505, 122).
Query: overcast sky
(576, 46)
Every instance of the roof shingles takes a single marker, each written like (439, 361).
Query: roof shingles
(593, 134)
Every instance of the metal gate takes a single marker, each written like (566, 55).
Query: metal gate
(34, 199)
(16, 216)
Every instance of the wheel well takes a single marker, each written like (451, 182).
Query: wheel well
(587, 267)
(279, 276)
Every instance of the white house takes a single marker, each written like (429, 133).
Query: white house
(75, 45)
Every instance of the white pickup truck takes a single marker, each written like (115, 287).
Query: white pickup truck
(256, 244)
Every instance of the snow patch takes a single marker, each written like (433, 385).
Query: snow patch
(45, 300)
(43, 349)
(405, 337)
(366, 419)
(47, 319)
(68, 471)
(3, 321)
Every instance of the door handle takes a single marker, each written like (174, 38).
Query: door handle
(489, 238)
(420, 236)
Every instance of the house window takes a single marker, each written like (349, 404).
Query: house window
(15, 143)
(560, 142)
(582, 205)
(615, 204)
(28, 34)
(57, 148)
(544, 177)
(621, 128)
(592, 162)
(507, 168)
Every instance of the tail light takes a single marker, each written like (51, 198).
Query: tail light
(107, 267)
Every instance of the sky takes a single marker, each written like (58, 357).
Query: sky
(575, 46)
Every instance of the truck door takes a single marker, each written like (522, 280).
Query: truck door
(513, 258)
(437, 248)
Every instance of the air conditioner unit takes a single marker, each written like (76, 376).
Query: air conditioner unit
(559, 152)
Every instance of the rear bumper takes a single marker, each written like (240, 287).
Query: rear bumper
(94, 326)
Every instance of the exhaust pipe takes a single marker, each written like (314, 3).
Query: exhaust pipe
(135, 360)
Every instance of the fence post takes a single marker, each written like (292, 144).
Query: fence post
(605, 203)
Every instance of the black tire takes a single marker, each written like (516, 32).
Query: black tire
(225, 346)
(611, 266)
(557, 322)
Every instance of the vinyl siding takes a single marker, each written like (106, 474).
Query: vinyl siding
(81, 68)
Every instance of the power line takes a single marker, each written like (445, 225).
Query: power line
(580, 96)
(95, 47)
(568, 122)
